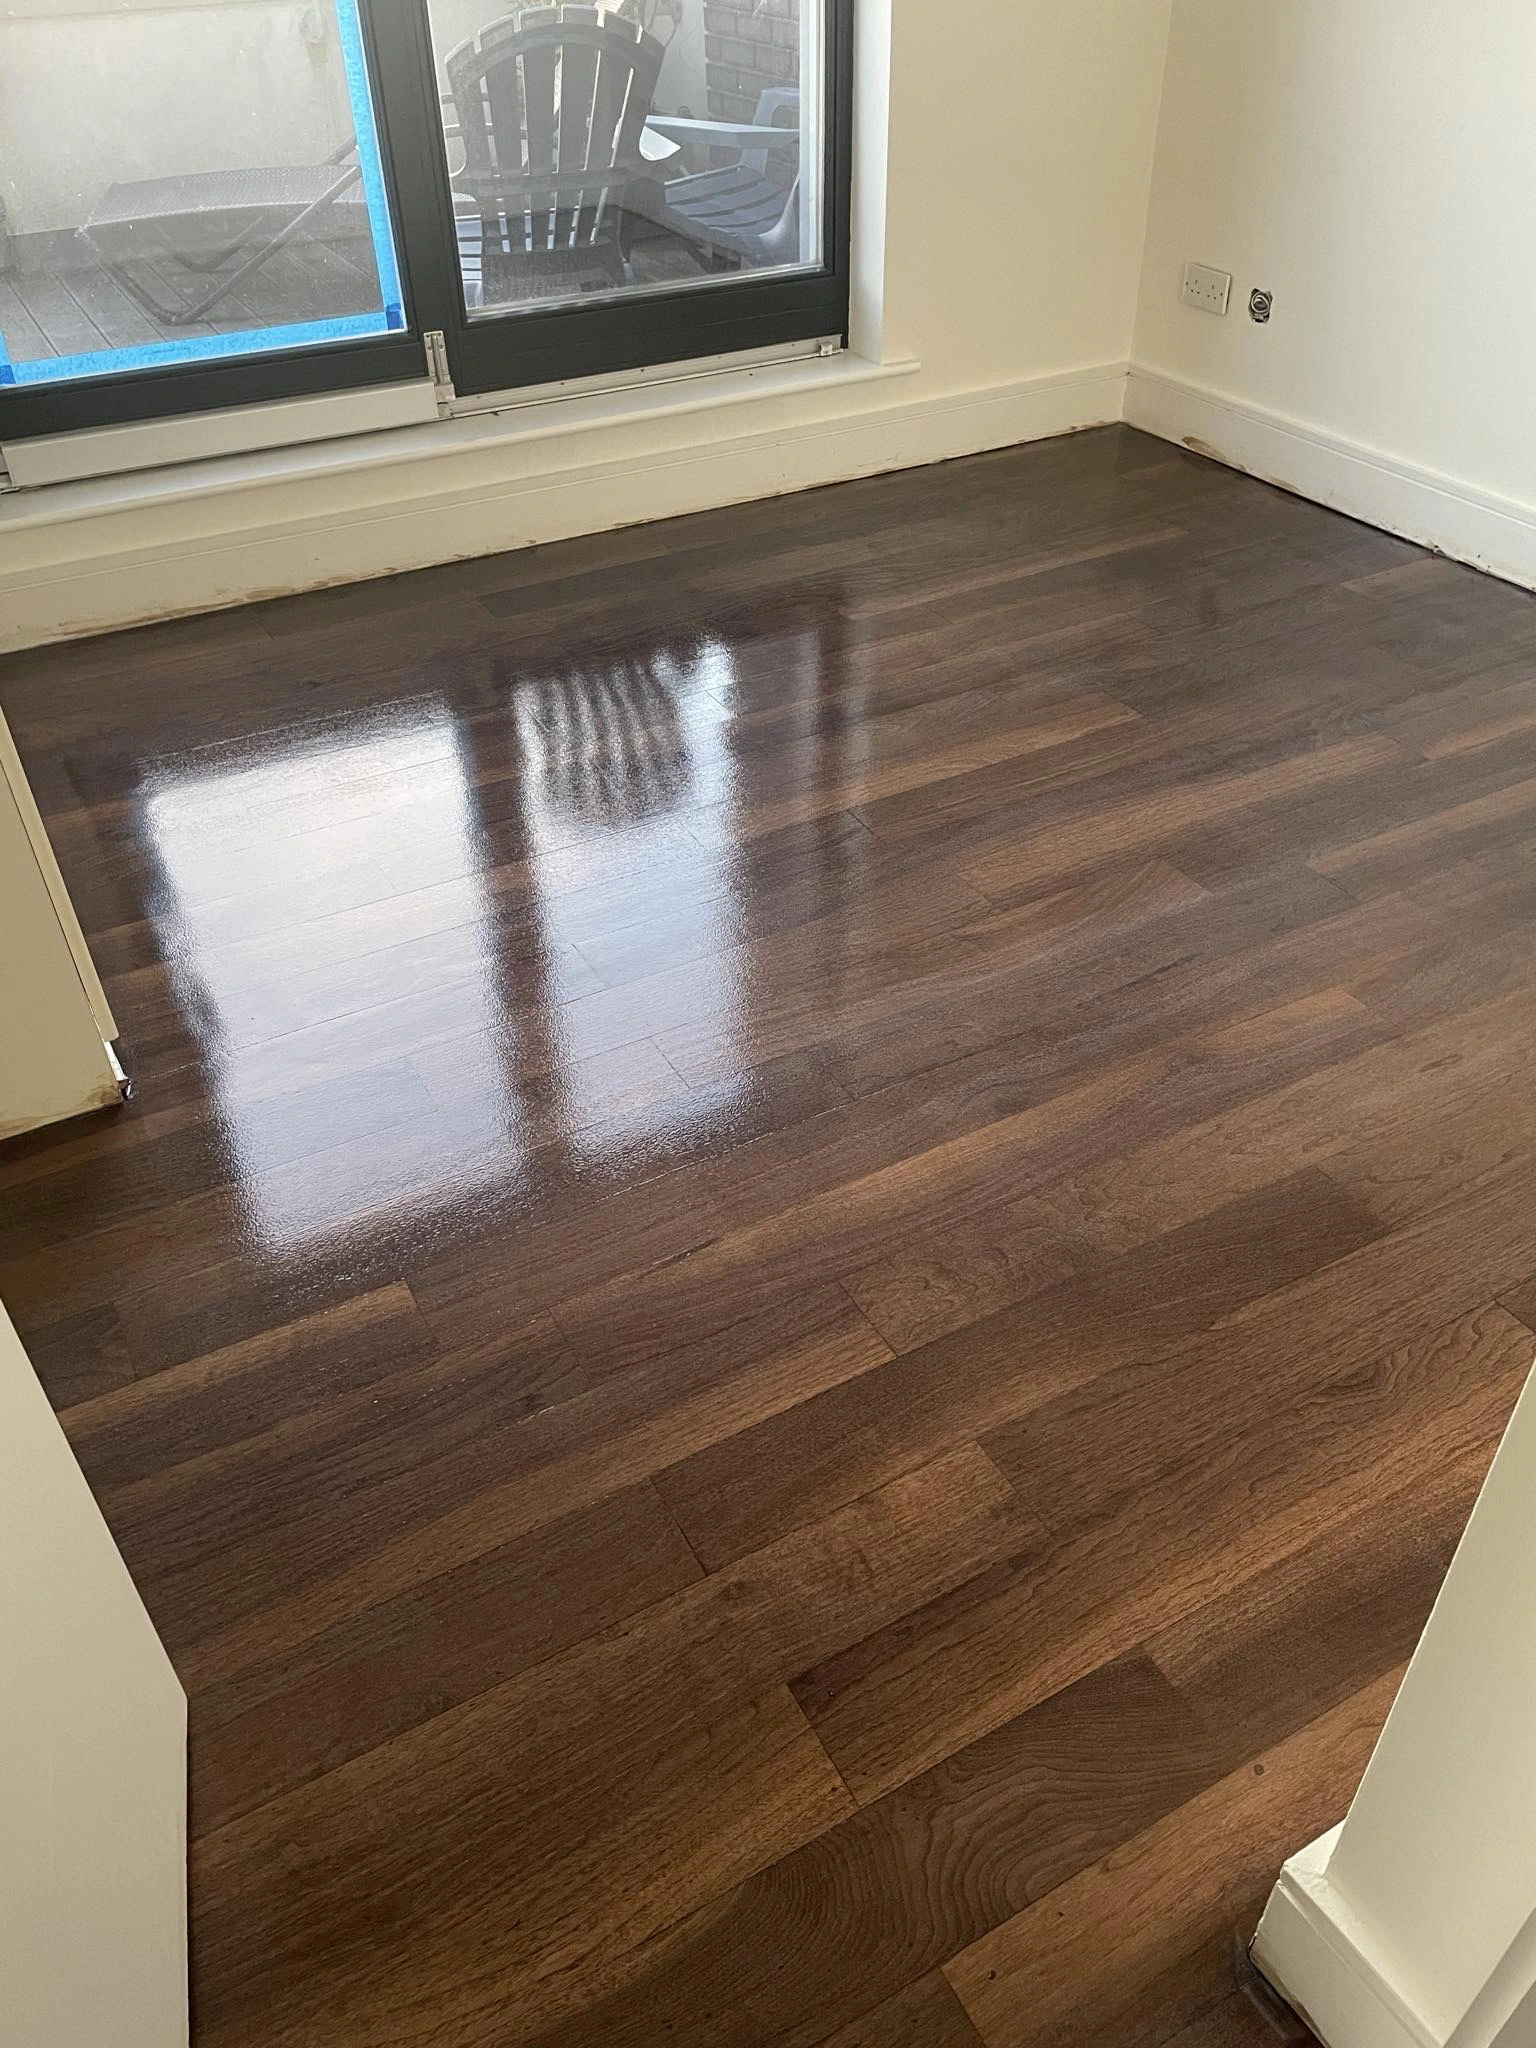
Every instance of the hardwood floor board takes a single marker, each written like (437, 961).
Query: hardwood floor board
(1402, 1173)
(926, 2014)
(1116, 1574)
(880, 1900)
(1452, 969)
(1230, 2021)
(1503, 713)
(1520, 1300)
(802, 1462)
(1150, 822)
(1368, 1104)
(237, 1298)
(1158, 979)
(556, 1103)
(759, 812)
(923, 1289)
(206, 1403)
(670, 1727)
(338, 967)
(394, 1665)
(418, 1409)
(836, 1232)
(1409, 797)
(896, 935)
(992, 949)
(1389, 858)
(467, 955)
(410, 1503)
(1141, 791)
(1276, 1650)
(786, 879)
(808, 1241)
(563, 1916)
(81, 1357)
(1083, 1964)
(145, 1158)
(649, 1224)
(1121, 536)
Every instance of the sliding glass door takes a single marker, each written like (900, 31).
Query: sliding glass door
(217, 202)
(195, 209)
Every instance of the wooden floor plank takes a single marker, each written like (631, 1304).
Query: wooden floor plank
(826, 1217)
(798, 1464)
(886, 1709)
(665, 1711)
(1084, 1965)
(883, 1898)
(926, 2014)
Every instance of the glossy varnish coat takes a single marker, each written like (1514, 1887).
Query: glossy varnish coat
(828, 1214)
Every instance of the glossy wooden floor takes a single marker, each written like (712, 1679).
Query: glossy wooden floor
(829, 1214)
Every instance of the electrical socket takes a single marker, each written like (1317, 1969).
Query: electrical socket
(1207, 290)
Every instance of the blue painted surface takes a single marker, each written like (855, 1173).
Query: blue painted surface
(390, 318)
(371, 164)
(194, 348)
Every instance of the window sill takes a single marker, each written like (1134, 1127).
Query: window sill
(523, 422)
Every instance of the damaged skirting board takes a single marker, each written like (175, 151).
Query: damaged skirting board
(1492, 533)
(211, 536)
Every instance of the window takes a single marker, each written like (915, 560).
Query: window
(217, 202)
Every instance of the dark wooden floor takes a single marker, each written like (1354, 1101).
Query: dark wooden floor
(829, 1214)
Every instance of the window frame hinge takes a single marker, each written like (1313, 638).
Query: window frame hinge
(436, 345)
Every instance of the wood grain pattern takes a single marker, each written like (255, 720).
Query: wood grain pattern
(1086, 1963)
(826, 1220)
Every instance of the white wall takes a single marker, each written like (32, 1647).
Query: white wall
(1373, 163)
(1021, 160)
(1001, 193)
(92, 1761)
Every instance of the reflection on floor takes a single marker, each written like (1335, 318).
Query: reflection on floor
(827, 1219)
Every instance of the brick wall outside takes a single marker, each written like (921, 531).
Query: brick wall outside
(748, 45)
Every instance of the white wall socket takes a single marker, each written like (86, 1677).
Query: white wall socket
(1207, 290)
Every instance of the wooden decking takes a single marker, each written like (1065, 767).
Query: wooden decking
(77, 307)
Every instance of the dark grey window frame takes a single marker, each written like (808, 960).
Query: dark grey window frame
(629, 332)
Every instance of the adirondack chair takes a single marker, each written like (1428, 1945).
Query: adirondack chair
(550, 104)
(749, 211)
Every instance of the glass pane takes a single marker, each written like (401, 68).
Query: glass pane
(655, 146)
(184, 182)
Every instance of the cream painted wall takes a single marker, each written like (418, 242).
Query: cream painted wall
(92, 1761)
(1021, 162)
(1374, 165)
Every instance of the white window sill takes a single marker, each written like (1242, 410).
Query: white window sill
(51, 494)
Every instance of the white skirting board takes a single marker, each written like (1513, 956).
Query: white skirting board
(1492, 533)
(1316, 1950)
(116, 552)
